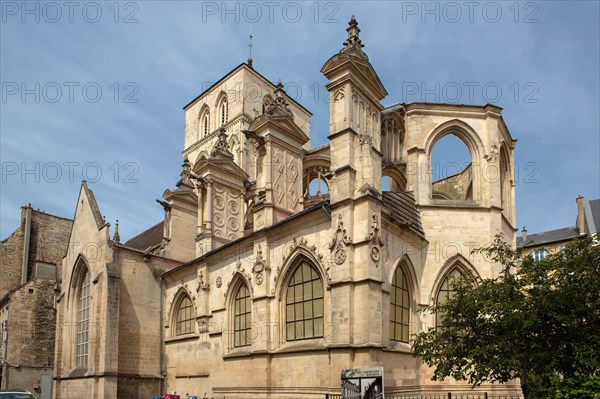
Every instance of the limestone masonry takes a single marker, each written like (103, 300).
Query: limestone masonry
(277, 264)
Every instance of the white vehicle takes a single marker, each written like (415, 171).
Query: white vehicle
(16, 394)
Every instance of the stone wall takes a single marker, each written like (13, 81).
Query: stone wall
(48, 240)
(31, 328)
(11, 258)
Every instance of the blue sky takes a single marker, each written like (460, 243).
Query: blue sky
(95, 90)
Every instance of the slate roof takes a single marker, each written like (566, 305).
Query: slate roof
(592, 214)
(546, 237)
(402, 207)
(148, 238)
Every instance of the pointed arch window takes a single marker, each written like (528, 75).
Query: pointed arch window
(84, 300)
(205, 124)
(399, 307)
(184, 316)
(242, 315)
(446, 291)
(304, 304)
(224, 111)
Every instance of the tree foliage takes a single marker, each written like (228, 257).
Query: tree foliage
(538, 321)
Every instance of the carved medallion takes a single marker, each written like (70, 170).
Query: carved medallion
(233, 207)
(375, 254)
(219, 203)
(339, 256)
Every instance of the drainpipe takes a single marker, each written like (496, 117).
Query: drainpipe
(25, 265)
(160, 338)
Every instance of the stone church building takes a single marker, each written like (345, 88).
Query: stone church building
(277, 264)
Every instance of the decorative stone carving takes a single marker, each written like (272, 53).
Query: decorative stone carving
(375, 233)
(259, 278)
(494, 152)
(365, 139)
(258, 143)
(221, 149)
(201, 284)
(303, 244)
(219, 282)
(279, 106)
(226, 217)
(241, 270)
(353, 45)
(233, 207)
(338, 95)
(376, 239)
(375, 254)
(287, 173)
(339, 242)
(260, 265)
(185, 182)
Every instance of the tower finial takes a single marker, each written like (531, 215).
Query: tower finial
(250, 47)
(117, 237)
(353, 44)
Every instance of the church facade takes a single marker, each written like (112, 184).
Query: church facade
(278, 265)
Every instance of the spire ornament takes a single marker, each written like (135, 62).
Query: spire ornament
(186, 173)
(279, 106)
(353, 43)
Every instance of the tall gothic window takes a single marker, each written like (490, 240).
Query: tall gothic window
(84, 299)
(304, 304)
(204, 122)
(184, 317)
(224, 111)
(446, 291)
(399, 307)
(206, 125)
(242, 317)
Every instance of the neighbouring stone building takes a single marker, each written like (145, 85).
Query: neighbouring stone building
(277, 264)
(587, 223)
(28, 270)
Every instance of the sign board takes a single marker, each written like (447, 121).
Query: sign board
(362, 383)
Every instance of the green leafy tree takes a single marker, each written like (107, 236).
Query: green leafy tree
(538, 321)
